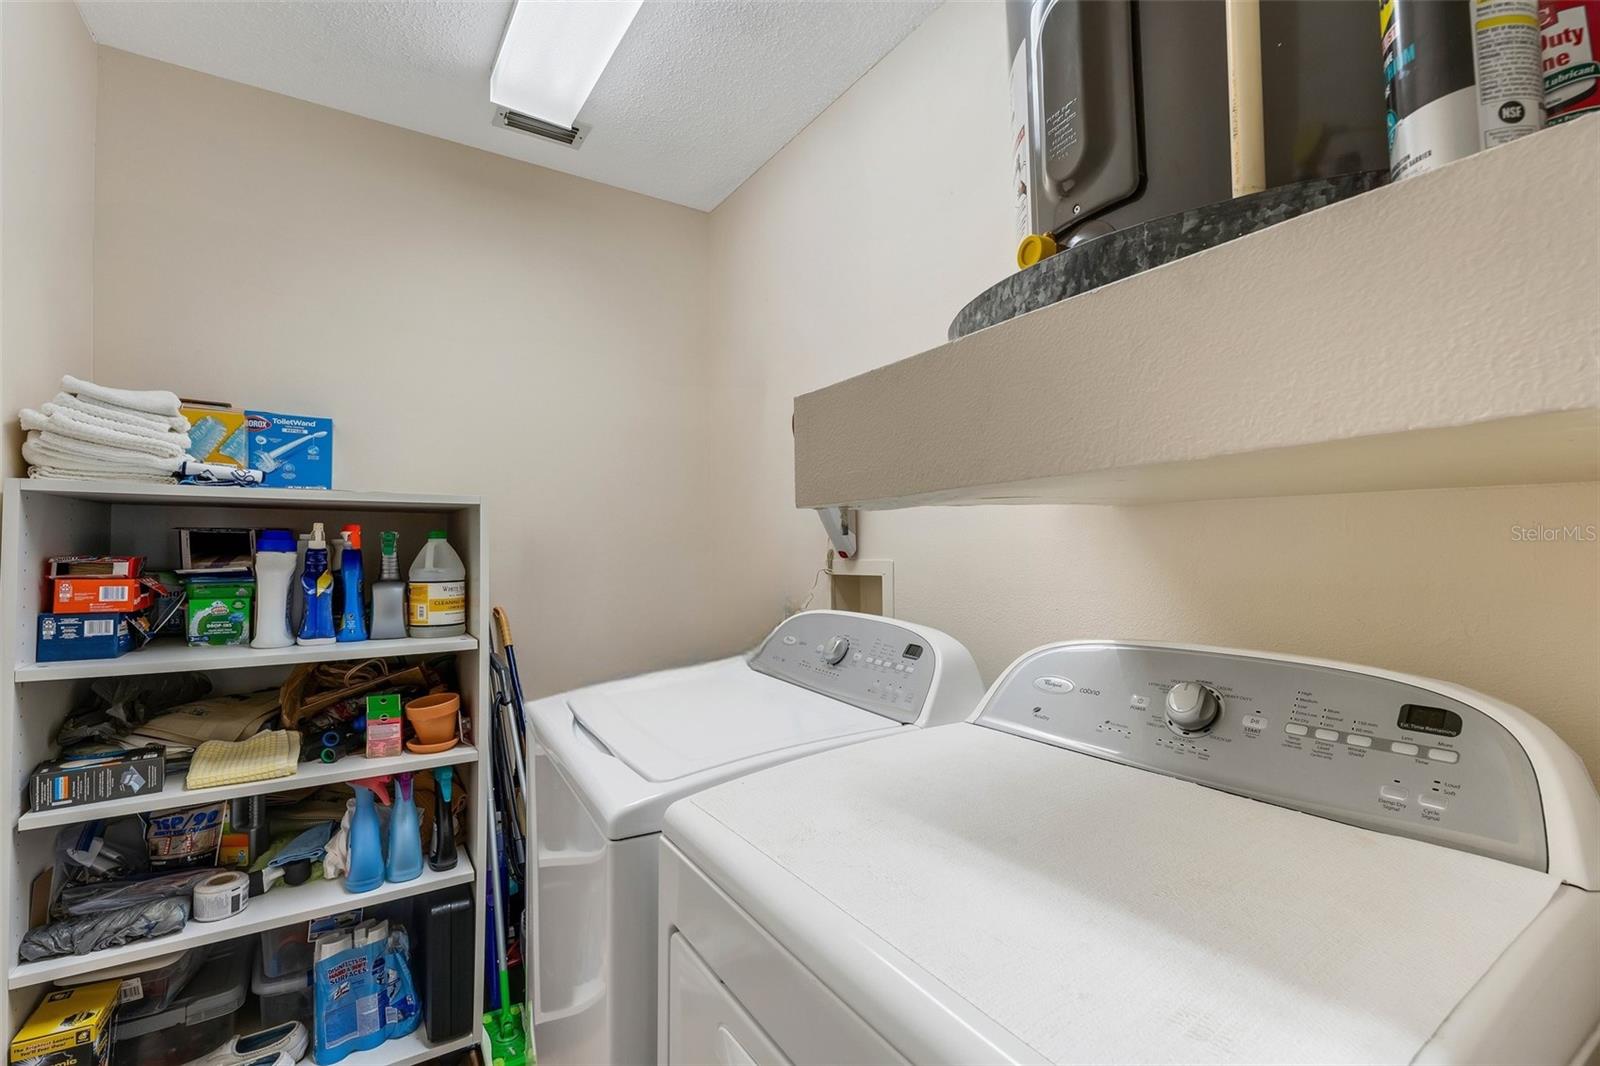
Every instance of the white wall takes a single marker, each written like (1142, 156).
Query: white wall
(858, 243)
(47, 129)
(473, 323)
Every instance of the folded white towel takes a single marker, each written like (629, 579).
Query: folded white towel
(155, 402)
(96, 475)
(67, 418)
(96, 431)
(121, 415)
(56, 450)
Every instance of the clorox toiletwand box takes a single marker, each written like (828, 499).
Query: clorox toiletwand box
(291, 451)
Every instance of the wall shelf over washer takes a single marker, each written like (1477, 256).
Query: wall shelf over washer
(1442, 332)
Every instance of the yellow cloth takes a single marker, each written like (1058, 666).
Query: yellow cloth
(233, 762)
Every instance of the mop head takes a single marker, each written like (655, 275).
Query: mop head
(507, 1044)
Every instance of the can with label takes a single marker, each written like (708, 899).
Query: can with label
(1571, 74)
(1459, 76)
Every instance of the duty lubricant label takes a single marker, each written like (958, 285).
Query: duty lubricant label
(1021, 167)
(1571, 75)
(1505, 39)
(438, 603)
(1429, 88)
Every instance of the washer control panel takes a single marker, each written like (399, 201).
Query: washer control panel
(1337, 743)
(868, 662)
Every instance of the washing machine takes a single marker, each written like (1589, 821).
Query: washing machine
(1148, 853)
(609, 759)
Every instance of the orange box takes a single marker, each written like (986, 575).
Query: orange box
(100, 595)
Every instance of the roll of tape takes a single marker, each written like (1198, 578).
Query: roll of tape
(221, 896)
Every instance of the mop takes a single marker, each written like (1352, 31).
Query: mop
(505, 1041)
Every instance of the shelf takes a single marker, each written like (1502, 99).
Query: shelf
(168, 655)
(407, 1050)
(1440, 332)
(282, 906)
(231, 496)
(310, 775)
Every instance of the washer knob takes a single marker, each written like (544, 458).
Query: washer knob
(1192, 707)
(834, 651)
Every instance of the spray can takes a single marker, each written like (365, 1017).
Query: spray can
(1459, 76)
(1571, 72)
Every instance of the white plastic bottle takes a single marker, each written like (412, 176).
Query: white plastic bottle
(276, 565)
(438, 591)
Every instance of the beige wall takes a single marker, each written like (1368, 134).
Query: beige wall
(47, 130)
(474, 324)
(857, 244)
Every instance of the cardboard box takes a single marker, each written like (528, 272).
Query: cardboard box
(101, 595)
(385, 728)
(216, 550)
(72, 637)
(217, 435)
(74, 782)
(95, 566)
(72, 1026)
(219, 612)
(291, 451)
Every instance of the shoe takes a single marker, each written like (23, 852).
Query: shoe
(282, 1045)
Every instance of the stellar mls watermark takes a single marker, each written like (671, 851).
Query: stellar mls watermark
(1539, 533)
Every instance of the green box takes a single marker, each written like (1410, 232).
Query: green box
(218, 612)
(385, 728)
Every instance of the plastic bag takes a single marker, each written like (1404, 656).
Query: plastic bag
(80, 901)
(79, 936)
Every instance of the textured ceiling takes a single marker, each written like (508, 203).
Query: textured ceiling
(698, 96)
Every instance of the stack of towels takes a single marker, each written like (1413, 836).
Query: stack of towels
(89, 432)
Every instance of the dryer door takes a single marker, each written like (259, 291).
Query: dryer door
(707, 1025)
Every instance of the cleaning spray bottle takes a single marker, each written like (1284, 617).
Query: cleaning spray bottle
(442, 850)
(366, 836)
(389, 592)
(316, 627)
(352, 611)
(405, 838)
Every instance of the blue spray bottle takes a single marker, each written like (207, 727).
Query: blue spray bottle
(316, 580)
(352, 612)
(405, 837)
(366, 837)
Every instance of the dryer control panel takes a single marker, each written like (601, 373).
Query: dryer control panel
(868, 662)
(1354, 747)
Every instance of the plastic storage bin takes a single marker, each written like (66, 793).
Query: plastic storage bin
(148, 986)
(285, 951)
(283, 999)
(199, 1020)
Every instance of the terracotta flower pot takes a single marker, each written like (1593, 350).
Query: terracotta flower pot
(434, 720)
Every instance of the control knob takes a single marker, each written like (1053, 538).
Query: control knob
(834, 651)
(1192, 707)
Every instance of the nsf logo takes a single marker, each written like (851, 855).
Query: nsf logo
(1512, 111)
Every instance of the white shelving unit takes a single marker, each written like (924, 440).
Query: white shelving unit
(45, 518)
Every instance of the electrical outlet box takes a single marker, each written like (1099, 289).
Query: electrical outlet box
(865, 586)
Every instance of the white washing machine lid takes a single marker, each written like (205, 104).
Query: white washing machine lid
(670, 726)
(631, 748)
(1095, 912)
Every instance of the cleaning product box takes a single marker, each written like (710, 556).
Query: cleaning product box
(217, 435)
(101, 595)
(219, 612)
(71, 637)
(291, 451)
(70, 1027)
(384, 728)
(95, 566)
(70, 782)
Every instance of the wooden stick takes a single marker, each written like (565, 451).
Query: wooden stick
(1245, 138)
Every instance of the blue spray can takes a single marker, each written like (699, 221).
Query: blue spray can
(316, 580)
(352, 611)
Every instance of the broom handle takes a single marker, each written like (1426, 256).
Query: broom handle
(1246, 152)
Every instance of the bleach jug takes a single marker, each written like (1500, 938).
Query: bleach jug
(276, 560)
(438, 591)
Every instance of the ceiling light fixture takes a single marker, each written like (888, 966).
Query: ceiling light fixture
(553, 53)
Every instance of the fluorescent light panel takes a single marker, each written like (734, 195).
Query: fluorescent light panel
(554, 52)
